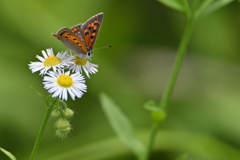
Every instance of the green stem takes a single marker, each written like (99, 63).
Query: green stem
(177, 65)
(34, 151)
(187, 9)
(151, 139)
(176, 68)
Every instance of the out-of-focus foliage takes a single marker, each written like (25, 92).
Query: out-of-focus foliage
(121, 125)
(8, 154)
(203, 116)
(174, 4)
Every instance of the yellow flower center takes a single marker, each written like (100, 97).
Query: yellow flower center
(65, 80)
(51, 61)
(80, 61)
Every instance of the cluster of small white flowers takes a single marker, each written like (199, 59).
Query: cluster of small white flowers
(63, 73)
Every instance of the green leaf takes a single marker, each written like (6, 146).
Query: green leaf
(7, 153)
(158, 114)
(209, 6)
(151, 106)
(174, 4)
(121, 125)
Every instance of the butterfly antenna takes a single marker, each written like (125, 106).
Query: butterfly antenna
(101, 48)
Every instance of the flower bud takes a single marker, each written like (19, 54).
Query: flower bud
(62, 133)
(62, 124)
(56, 114)
(68, 113)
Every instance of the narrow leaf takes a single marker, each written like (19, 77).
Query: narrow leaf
(174, 4)
(39, 94)
(9, 154)
(209, 6)
(36, 91)
(121, 125)
(151, 106)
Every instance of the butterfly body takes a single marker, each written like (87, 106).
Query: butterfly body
(81, 38)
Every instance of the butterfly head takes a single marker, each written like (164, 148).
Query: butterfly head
(89, 53)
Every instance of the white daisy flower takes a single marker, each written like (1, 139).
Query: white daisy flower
(49, 60)
(60, 83)
(83, 64)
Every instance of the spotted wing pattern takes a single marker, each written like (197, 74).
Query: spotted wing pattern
(91, 28)
(71, 40)
(77, 31)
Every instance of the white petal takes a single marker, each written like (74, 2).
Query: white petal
(40, 58)
(64, 94)
(50, 52)
(86, 72)
(71, 93)
(44, 54)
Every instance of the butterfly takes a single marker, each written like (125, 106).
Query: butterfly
(81, 38)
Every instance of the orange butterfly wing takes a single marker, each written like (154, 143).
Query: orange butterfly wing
(71, 40)
(91, 28)
(81, 38)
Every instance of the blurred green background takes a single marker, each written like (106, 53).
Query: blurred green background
(203, 115)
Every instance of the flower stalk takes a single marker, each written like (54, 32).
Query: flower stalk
(172, 81)
(177, 65)
(39, 137)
